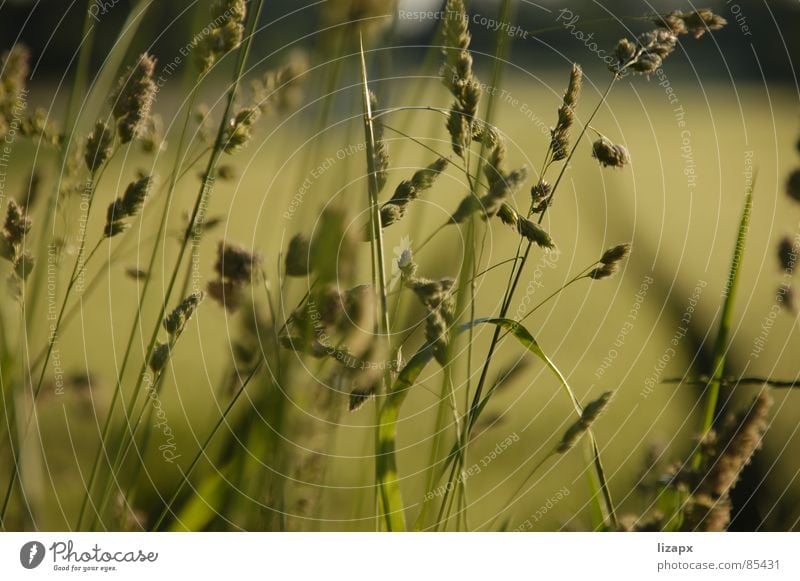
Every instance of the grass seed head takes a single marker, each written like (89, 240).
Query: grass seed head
(559, 143)
(696, 23)
(98, 146)
(610, 154)
(616, 254)
(381, 147)
(127, 206)
(590, 414)
(175, 322)
(535, 233)
(240, 129)
(603, 271)
(236, 264)
(159, 357)
(134, 97)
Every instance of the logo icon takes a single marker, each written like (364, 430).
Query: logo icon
(31, 554)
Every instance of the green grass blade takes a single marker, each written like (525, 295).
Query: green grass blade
(386, 458)
(721, 344)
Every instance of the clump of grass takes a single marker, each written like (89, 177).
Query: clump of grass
(339, 333)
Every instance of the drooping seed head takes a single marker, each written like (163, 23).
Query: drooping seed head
(159, 357)
(559, 143)
(589, 415)
(535, 233)
(127, 206)
(239, 130)
(616, 254)
(610, 154)
(508, 216)
(696, 23)
(603, 271)
(133, 98)
(235, 264)
(175, 322)
(381, 147)
(98, 146)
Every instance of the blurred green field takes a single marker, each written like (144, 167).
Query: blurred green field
(678, 203)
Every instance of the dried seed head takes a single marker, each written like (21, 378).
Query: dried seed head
(133, 98)
(127, 206)
(625, 52)
(229, 10)
(226, 293)
(508, 215)
(709, 506)
(610, 154)
(407, 191)
(12, 239)
(17, 224)
(381, 148)
(159, 357)
(389, 214)
(98, 146)
(14, 73)
(590, 414)
(787, 254)
(458, 77)
(468, 206)
(239, 129)
(458, 128)
(534, 233)
(431, 293)
(235, 264)
(559, 143)
(456, 33)
(495, 166)
(297, 256)
(647, 54)
(603, 271)
(740, 439)
(175, 322)
(696, 22)
(793, 185)
(540, 191)
(616, 254)
(226, 34)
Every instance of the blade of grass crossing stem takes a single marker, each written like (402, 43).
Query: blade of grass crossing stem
(527, 340)
(386, 461)
(721, 344)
